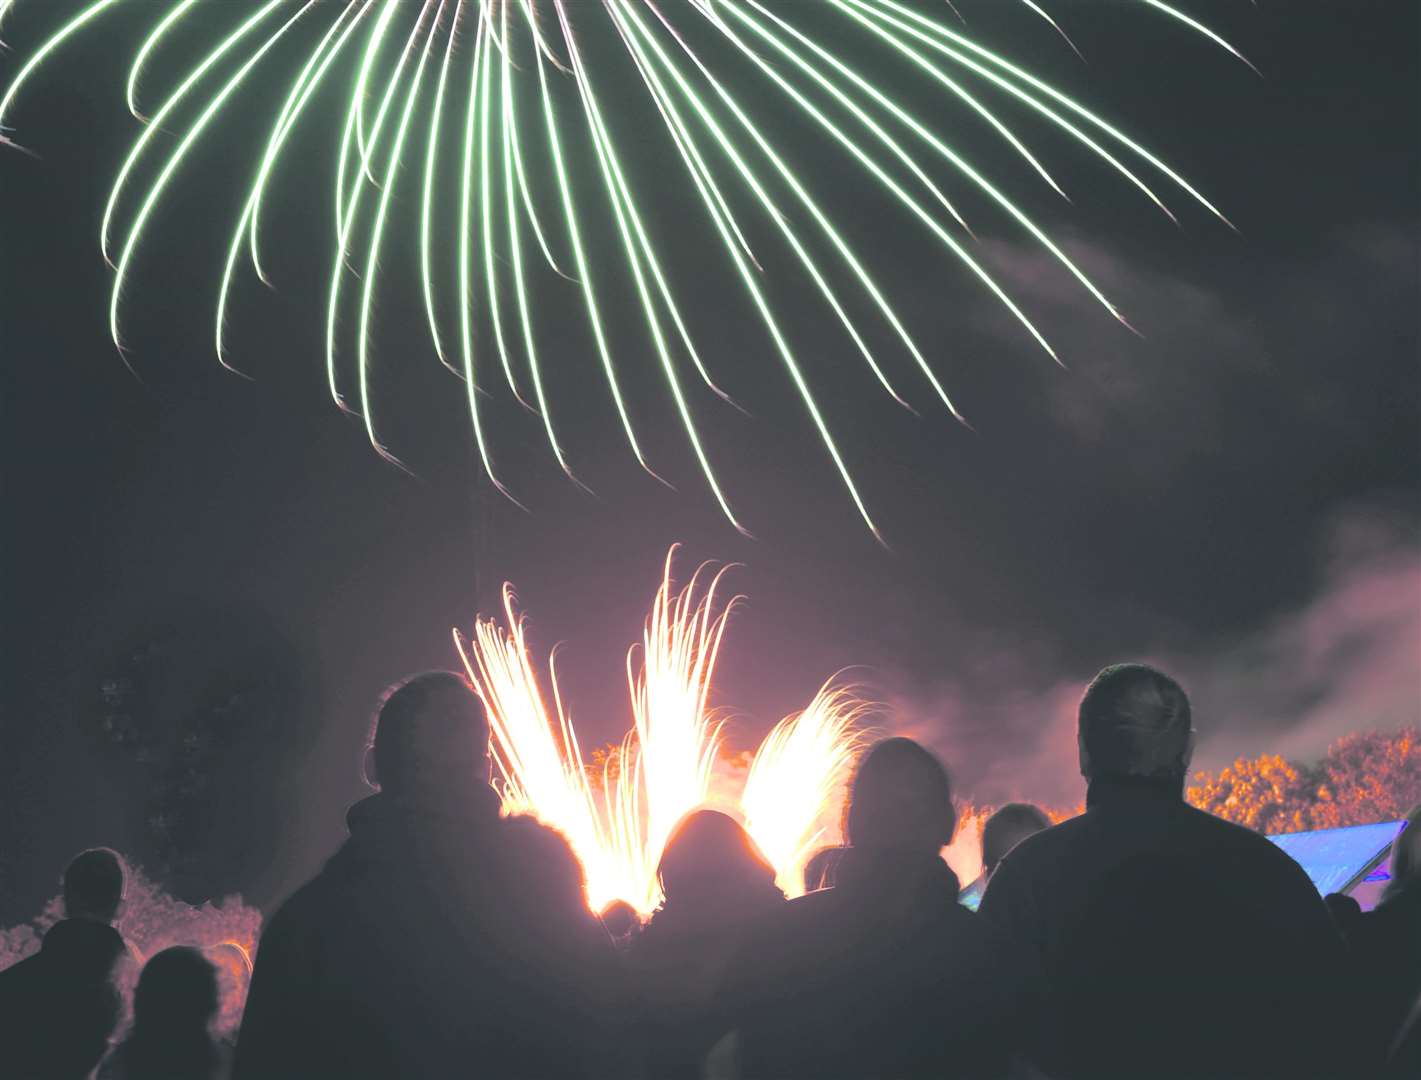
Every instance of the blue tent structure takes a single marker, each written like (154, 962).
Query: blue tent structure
(1355, 860)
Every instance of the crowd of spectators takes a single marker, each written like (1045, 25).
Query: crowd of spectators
(1142, 938)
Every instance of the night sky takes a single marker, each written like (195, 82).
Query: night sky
(1233, 494)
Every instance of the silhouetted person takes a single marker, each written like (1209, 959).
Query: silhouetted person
(1387, 940)
(883, 975)
(717, 886)
(1345, 911)
(438, 941)
(566, 1001)
(58, 1007)
(1007, 827)
(819, 869)
(1177, 944)
(173, 1008)
(622, 923)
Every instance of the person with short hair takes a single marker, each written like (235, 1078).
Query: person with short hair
(1177, 945)
(59, 1006)
(1003, 830)
(883, 974)
(93, 886)
(174, 1005)
(439, 940)
(1006, 828)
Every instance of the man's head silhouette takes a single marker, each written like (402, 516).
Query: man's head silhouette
(901, 798)
(1006, 828)
(1135, 722)
(430, 740)
(93, 886)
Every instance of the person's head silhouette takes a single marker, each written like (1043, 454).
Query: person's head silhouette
(900, 799)
(621, 920)
(1006, 828)
(1135, 723)
(93, 886)
(430, 739)
(1406, 856)
(709, 854)
(819, 868)
(548, 866)
(176, 997)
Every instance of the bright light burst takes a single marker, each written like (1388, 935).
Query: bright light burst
(676, 739)
(619, 822)
(798, 771)
(488, 107)
(540, 765)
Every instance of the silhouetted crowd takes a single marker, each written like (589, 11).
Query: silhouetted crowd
(1142, 938)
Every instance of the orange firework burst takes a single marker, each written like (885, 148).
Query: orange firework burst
(619, 822)
(795, 779)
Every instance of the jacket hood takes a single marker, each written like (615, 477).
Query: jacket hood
(387, 831)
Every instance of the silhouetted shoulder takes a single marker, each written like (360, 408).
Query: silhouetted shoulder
(1250, 851)
(1045, 844)
(1029, 876)
(1228, 832)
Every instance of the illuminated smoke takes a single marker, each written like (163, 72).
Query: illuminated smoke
(150, 921)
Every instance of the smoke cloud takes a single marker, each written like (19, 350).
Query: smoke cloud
(1348, 659)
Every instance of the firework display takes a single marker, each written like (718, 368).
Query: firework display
(618, 819)
(495, 132)
(796, 777)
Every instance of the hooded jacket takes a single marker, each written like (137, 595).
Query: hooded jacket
(428, 946)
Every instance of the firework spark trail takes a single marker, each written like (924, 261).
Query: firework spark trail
(150, 203)
(618, 823)
(664, 766)
(301, 91)
(160, 118)
(539, 760)
(542, 73)
(806, 260)
(795, 775)
(677, 741)
(154, 40)
(1043, 13)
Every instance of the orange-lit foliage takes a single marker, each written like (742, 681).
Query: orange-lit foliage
(1267, 793)
(1369, 776)
(151, 921)
(1364, 777)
